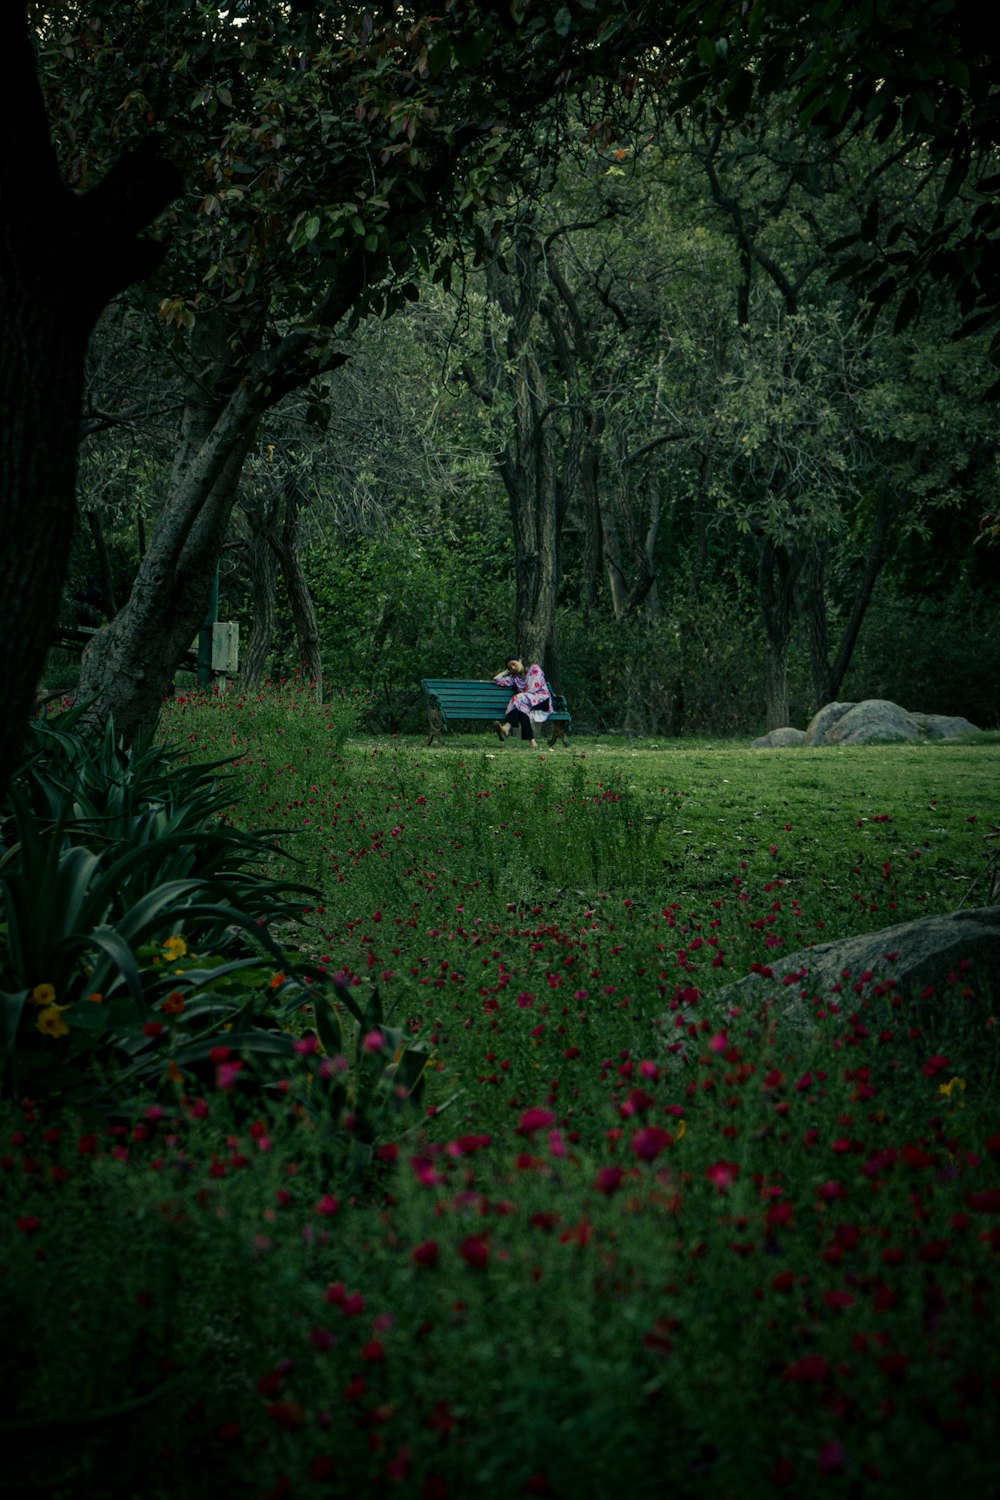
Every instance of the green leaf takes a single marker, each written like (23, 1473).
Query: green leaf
(328, 1026)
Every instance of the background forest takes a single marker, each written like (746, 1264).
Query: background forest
(645, 421)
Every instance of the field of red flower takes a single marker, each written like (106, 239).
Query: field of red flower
(640, 1232)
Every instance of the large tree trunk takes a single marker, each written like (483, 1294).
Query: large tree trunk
(62, 259)
(128, 668)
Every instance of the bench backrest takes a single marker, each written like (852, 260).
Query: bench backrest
(464, 698)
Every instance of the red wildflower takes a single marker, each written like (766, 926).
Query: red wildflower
(227, 1075)
(812, 1369)
(427, 1253)
(934, 1065)
(608, 1180)
(475, 1251)
(986, 1202)
(722, 1174)
(650, 1141)
(534, 1119)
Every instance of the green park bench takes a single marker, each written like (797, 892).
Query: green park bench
(459, 700)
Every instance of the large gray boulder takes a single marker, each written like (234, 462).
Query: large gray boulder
(876, 721)
(943, 726)
(823, 721)
(938, 952)
(779, 739)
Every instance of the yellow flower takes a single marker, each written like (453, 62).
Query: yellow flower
(175, 947)
(952, 1084)
(51, 1021)
(43, 994)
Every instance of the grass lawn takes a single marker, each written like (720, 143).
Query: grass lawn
(635, 1235)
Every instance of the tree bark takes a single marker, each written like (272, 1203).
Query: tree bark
(287, 546)
(262, 566)
(128, 669)
(62, 259)
(776, 588)
(878, 552)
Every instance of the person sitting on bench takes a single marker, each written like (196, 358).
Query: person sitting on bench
(531, 703)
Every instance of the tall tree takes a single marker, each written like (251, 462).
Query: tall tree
(63, 256)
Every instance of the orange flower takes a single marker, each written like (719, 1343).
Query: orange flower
(173, 1005)
(277, 980)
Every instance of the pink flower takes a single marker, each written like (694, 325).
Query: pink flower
(722, 1174)
(608, 1180)
(227, 1074)
(537, 1118)
(374, 1041)
(648, 1142)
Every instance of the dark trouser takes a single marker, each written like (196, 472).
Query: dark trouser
(516, 716)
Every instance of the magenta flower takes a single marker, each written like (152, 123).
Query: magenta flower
(608, 1180)
(227, 1075)
(722, 1174)
(427, 1253)
(650, 1141)
(535, 1119)
(475, 1251)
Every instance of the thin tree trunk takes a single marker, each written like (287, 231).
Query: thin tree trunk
(287, 545)
(878, 551)
(776, 585)
(263, 570)
(103, 563)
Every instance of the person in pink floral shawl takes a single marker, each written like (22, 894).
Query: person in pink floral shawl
(531, 703)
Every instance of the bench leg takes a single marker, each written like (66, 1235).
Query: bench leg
(436, 726)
